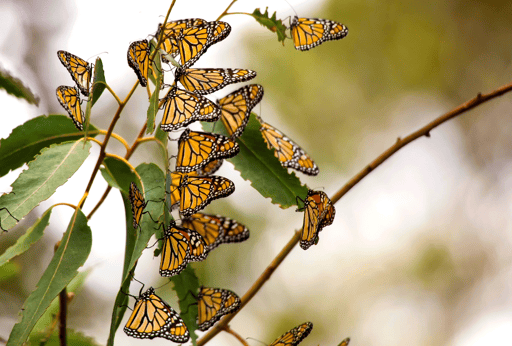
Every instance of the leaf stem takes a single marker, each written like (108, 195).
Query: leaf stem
(226, 10)
(236, 335)
(400, 143)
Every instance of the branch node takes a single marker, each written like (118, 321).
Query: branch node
(427, 134)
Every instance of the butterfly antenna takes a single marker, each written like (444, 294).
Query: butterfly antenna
(256, 340)
(96, 55)
(291, 7)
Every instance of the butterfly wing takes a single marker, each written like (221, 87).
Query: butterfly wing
(152, 317)
(318, 213)
(236, 108)
(310, 32)
(197, 192)
(234, 232)
(175, 252)
(204, 81)
(209, 227)
(175, 187)
(289, 154)
(137, 203)
(212, 304)
(211, 167)
(169, 43)
(79, 69)
(344, 342)
(197, 149)
(294, 336)
(69, 98)
(182, 108)
(138, 59)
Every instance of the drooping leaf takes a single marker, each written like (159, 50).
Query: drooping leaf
(73, 338)
(26, 140)
(257, 164)
(71, 254)
(271, 23)
(184, 283)
(153, 101)
(15, 87)
(118, 174)
(32, 235)
(99, 76)
(153, 182)
(51, 169)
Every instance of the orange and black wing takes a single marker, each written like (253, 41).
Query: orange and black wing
(197, 192)
(236, 108)
(204, 81)
(289, 154)
(212, 304)
(197, 149)
(318, 213)
(137, 203)
(138, 59)
(211, 167)
(197, 244)
(79, 69)
(69, 98)
(310, 32)
(152, 317)
(344, 342)
(175, 251)
(175, 187)
(182, 107)
(171, 29)
(294, 336)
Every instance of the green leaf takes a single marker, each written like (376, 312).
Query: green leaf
(71, 254)
(163, 139)
(184, 283)
(8, 271)
(26, 140)
(24, 242)
(118, 174)
(73, 338)
(271, 23)
(257, 164)
(153, 101)
(15, 87)
(153, 183)
(51, 169)
(99, 76)
(46, 319)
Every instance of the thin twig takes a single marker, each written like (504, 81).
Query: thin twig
(236, 335)
(400, 143)
(226, 10)
(63, 312)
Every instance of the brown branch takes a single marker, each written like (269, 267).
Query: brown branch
(236, 335)
(400, 143)
(226, 10)
(63, 312)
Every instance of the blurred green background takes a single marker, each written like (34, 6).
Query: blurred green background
(419, 253)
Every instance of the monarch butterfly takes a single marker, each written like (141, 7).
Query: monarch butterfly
(344, 342)
(170, 29)
(204, 81)
(138, 59)
(69, 98)
(294, 336)
(289, 154)
(212, 304)
(193, 42)
(196, 149)
(182, 107)
(152, 317)
(137, 203)
(211, 167)
(197, 192)
(319, 212)
(236, 107)
(310, 32)
(216, 229)
(181, 246)
(79, 69)
(175, 187)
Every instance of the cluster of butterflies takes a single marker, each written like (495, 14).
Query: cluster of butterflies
(200, 154)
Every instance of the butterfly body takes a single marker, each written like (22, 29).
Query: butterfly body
(319, 212)
(213, 303)
(236, 108)
(308, 33)
(182, 107)
(138, 60)
(294, 336)
(197, 192)
(137, 203)
(152, 317)
(79, 69)
(289, 154)
(197, 149)
(204, 81)
(170, 30)
(69, 98)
